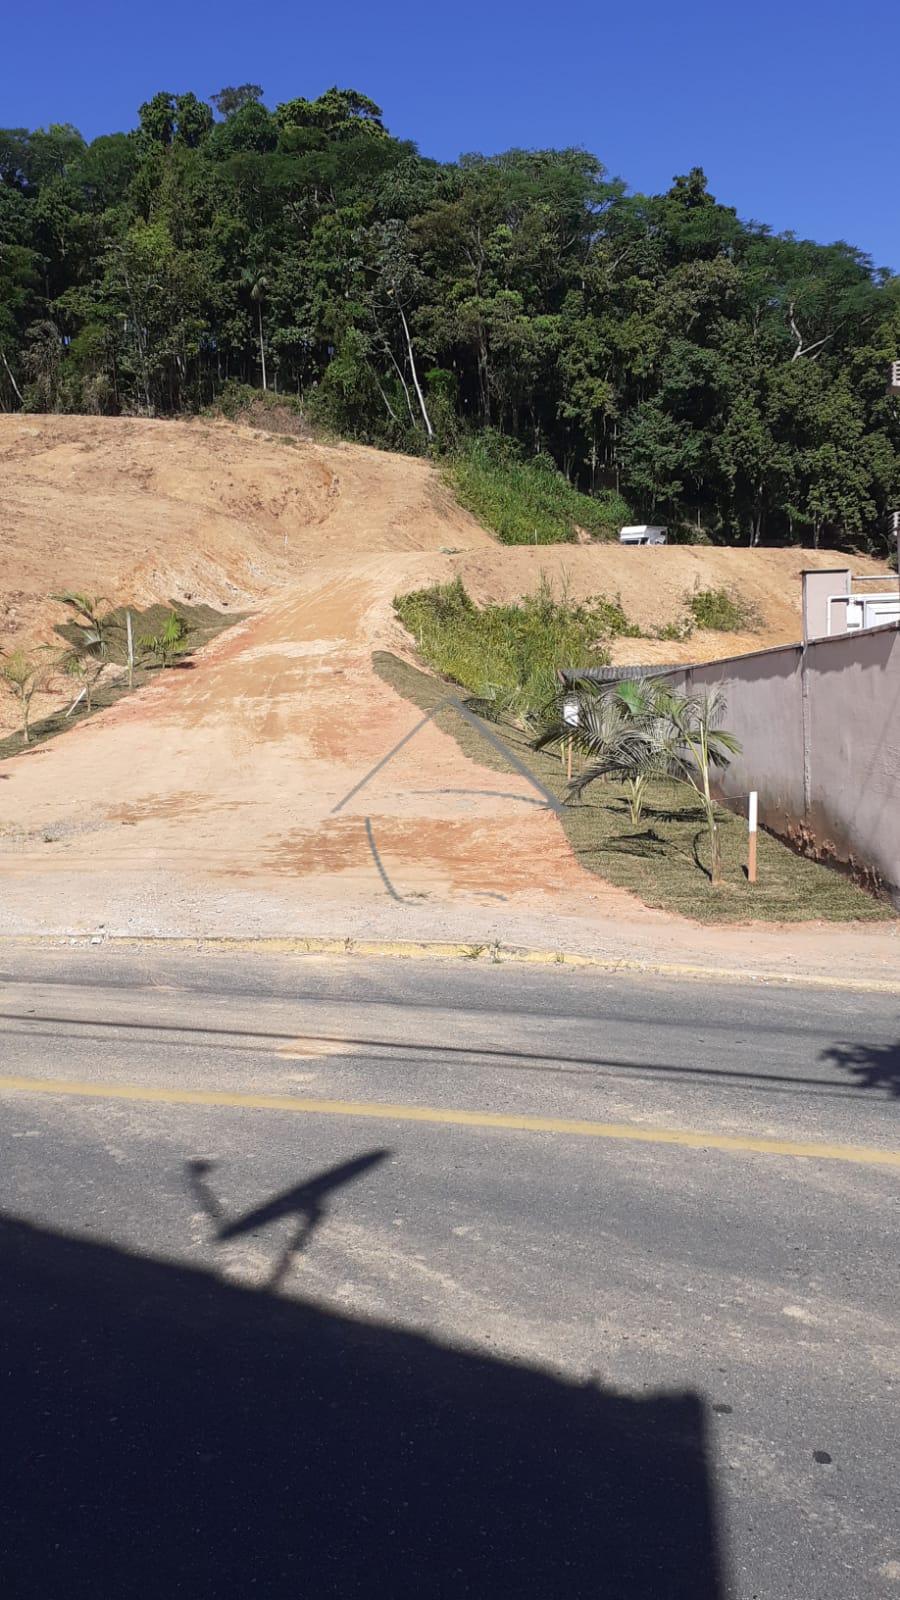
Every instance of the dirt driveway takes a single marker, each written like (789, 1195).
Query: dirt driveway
(213, 799)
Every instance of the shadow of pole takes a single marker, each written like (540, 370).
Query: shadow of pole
(876, 1064)
(382, 870)
(304, 1202)
(548, 797)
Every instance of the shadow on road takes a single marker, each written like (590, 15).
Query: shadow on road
(167, 1434)
(873, 1066)
(409, 1053)
(304, 1202)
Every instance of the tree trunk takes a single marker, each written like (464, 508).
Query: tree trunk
(129, 632)
(399, 372)
(262, 347)
(715, 858)
(390, 410)
(484, 381)
(415, 376)
(16, 389)
(138, 332)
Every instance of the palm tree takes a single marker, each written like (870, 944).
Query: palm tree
(24, 677)
(171, 641)
(85, 611)
(88, 656)
(643, 729)
(690, 745)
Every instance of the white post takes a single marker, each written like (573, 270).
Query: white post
(130, 639)
(571, 717)
(751, 840)
(79, 697)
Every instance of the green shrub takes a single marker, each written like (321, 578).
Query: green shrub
(169, 643)
(281, 414)
(610, 619)
(527, 500)
(508, 656)
(675, 631)
(688, 533)
(235, 398)
(718, 610)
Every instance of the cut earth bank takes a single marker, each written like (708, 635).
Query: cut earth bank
(225, 800)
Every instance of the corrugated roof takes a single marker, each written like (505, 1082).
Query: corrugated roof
(617, 674)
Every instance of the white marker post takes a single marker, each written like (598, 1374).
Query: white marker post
(571, 711)
(751, 840)
(130, 638)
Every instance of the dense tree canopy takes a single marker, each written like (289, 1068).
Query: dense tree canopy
(723, 377)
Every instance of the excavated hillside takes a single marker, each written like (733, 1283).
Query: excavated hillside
(246, 795)
(213, 513)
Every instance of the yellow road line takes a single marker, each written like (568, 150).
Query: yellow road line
(688, 1138)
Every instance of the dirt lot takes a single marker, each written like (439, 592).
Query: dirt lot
(227, 797)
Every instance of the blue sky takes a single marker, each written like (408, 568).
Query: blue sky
(791, 107)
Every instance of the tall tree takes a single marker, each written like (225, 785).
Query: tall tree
(728, 378)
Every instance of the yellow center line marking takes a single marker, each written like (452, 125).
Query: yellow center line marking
(687, 1138)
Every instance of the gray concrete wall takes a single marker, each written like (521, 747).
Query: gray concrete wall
(820, 730)
(764, 695)
(853, 706)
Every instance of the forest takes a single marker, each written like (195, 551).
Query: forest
(718, 376)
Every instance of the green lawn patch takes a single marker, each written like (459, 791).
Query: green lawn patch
(664, 859)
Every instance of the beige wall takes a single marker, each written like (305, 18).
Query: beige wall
(818, 586)
(820, 730)
(854, 740)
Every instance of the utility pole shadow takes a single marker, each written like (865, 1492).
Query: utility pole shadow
(304, 1201)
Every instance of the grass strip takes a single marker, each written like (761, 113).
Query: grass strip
(663, 860)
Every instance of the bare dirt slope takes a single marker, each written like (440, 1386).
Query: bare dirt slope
(145, 510)
(246, 794)
(150, 510)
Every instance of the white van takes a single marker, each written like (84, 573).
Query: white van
(864, 611)
(643, 533)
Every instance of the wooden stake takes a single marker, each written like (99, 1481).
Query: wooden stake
(751, 836)
(569, 761)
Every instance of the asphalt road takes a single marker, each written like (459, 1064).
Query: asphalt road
(405, 1279)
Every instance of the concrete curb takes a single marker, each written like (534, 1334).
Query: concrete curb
(495, 954)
